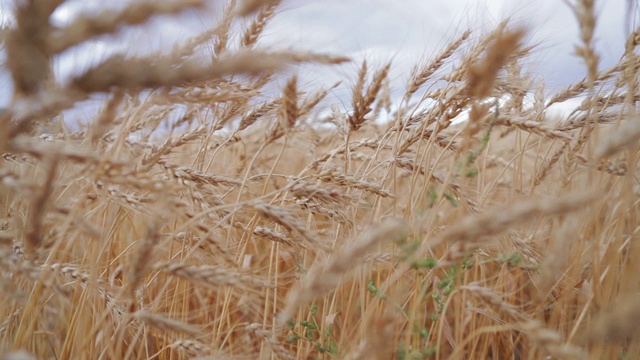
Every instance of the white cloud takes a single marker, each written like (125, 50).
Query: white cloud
(407, 31)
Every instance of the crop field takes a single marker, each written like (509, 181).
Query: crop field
(201, 214)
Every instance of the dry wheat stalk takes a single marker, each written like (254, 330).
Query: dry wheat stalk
(272, 235)
(627, 135)
(585, 13)
(551, 341)
(284, 218)
(247, 7)
(256, 28)
(157, 72)
(276, 347)
(223, 31)
(324, 276)
(332, 213)
(337, 177)
(193, 348)
(141, 261)
(420, 75)
(219, 34)
(39, 207)
(472, 231)
(494, 300)
(27, 51)
(305, 190)
(166, 324)
(482, 75)
(445, 141)
(207, 240)
(256, 113)
(438, 177)
(533, 127)
(170, 144)
(288, 115)
(219, 92)
(378, 343)
(314, 99)
(166, 150)
(362, 101)
(618, 168)
(212, 276)
(583, 120)
(187, 174)
(578, 88)
(107, 117)
(43, 149)
(618, 323)
(85, 27)
(546, 168)
(472, 228)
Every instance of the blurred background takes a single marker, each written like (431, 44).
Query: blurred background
(405, 32)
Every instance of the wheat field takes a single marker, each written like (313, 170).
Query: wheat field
(199, 215)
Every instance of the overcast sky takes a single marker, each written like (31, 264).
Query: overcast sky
(409, 30)
(405, 31)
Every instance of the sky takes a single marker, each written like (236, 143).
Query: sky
(403, 31)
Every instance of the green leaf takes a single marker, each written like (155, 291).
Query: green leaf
(292, 338)
(452, 199)
(371, 287)
(428, 263)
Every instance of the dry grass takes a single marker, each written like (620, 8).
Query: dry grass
(242, 230)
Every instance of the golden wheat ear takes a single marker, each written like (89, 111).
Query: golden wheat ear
(220, 206)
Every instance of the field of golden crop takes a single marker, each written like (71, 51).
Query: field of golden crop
(201, 216)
